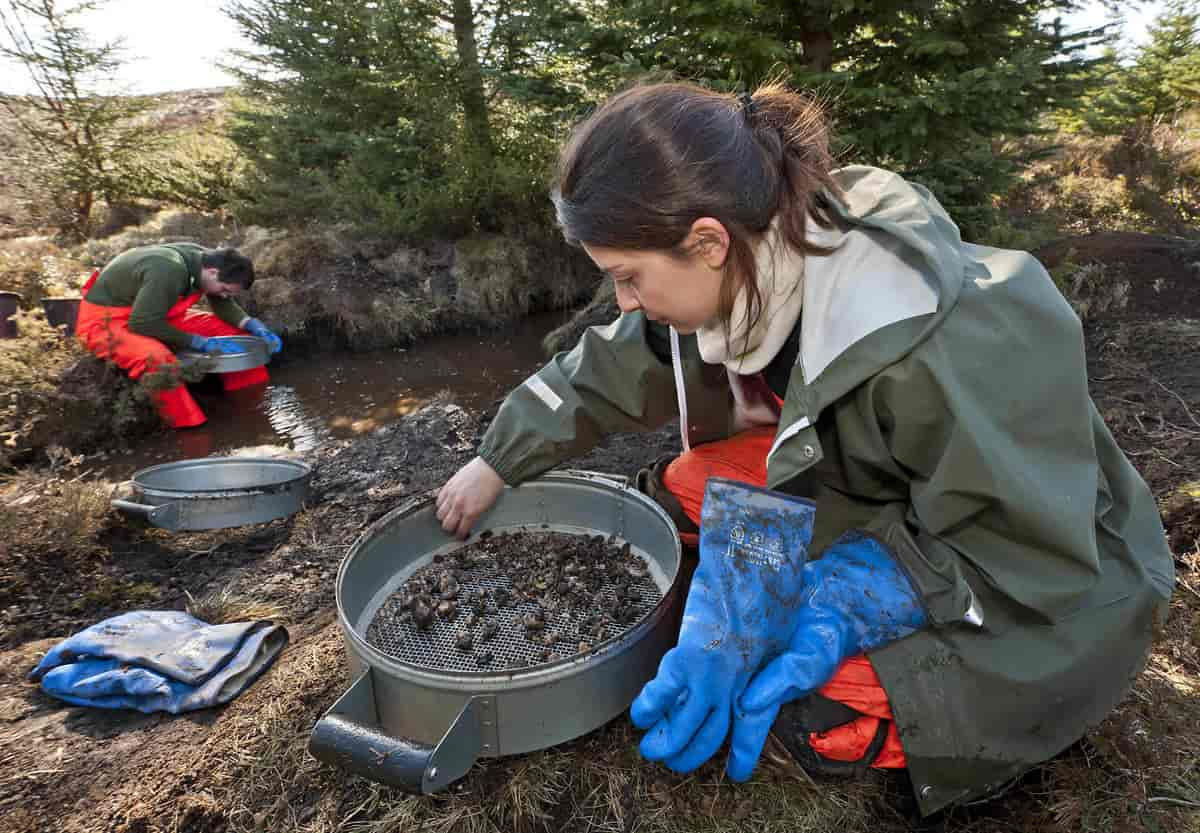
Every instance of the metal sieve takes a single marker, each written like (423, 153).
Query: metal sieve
(218, 492)
(255, 353)
(419, 712)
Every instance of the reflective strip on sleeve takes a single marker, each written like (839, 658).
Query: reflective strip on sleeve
(543, 392)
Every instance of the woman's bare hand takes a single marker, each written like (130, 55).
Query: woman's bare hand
(467, 495)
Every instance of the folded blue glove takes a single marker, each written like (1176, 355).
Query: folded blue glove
(258, 328)
(740, 612)
(215, 345)
(857, 599)
(159, 660)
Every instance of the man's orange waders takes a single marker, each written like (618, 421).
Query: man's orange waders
(743, 457)
(105, 332)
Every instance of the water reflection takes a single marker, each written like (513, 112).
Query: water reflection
(295, 426)
(377, 415)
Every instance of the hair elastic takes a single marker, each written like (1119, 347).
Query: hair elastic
(747, 102)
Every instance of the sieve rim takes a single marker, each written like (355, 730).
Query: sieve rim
(503, 680)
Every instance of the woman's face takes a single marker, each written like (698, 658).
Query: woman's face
(681, 292)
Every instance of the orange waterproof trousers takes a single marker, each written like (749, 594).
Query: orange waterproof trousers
(743, 457)
(105, 332)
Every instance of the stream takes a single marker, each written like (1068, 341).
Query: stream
(325, 396)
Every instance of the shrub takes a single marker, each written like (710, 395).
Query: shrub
(56, 394)
(35, 268)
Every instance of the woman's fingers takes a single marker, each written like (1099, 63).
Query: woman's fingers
(465, 521)
(456, 513)
(467, 495)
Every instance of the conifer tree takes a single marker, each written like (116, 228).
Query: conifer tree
(394, 114)
(1164, 80)
(925, 87)
(86, 144)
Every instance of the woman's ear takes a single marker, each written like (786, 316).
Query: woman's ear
(709, 239)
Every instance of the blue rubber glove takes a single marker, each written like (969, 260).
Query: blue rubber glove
(159, 660)
(258, 328)
(219, 345)
(740, 612)
(857, 599)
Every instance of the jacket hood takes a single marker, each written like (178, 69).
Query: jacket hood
(899, 258)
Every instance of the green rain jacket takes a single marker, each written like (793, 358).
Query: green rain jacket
(952, 419)
(151, 279)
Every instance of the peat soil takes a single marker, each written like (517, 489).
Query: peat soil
(243, 767)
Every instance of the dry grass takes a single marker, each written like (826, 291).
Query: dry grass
(228, 605)
(533, 788)
(55, 393)
(290, 255)
(36, 267)
(1147, 180)
(52, 512)
(169, 226)
(1092, 289)
(383, 322)
(257, 772)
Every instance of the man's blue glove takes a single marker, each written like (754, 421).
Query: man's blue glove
(740, 612)
(159, 660)
(215, 346)
(856, 599)
(258, 328)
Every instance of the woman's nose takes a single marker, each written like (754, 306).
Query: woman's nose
(626, 298)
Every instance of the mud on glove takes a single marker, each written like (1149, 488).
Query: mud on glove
(857, 598)
(740, 612)
(258, 328)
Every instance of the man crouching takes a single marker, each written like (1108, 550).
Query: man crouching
(137, 312)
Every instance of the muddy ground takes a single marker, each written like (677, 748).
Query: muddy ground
(65, 562)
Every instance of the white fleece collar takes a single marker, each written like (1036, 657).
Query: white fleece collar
(780, 272)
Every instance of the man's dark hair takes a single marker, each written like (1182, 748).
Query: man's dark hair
(232, 266)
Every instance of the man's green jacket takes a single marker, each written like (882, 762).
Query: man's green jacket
(151, 279)
(953, 419)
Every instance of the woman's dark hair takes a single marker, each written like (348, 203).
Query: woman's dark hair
(232, 266)
(653, 159)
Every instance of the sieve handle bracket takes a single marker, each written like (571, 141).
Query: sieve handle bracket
(618, 480)
(165, 515)
(349, 736)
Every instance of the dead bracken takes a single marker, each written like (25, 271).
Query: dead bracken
(533, 596)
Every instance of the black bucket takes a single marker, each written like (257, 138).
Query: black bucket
(61, 313)
(8, 308)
